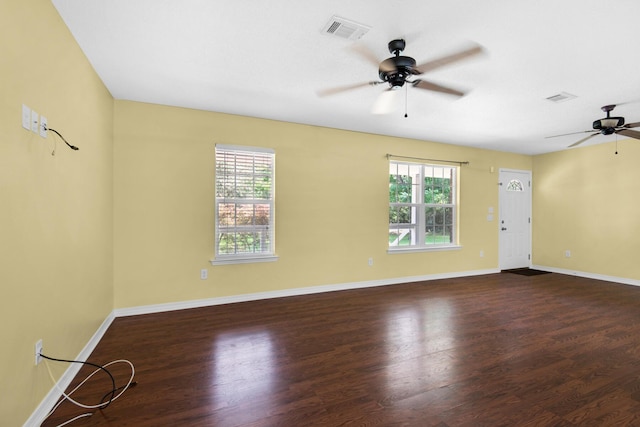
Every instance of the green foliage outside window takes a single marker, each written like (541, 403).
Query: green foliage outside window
(421, 200)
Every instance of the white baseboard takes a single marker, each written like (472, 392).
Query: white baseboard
(587, 275)
(37, 417)
(181, 305)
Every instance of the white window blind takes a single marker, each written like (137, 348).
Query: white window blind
(244, 202)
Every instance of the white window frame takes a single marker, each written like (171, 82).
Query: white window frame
(266, 255)
(418, 206)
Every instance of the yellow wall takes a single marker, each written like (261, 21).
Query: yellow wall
(56, 220)
(585, 200)
(128, 219)
(331, 205)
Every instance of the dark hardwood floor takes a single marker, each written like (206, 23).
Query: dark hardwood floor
(494, 350)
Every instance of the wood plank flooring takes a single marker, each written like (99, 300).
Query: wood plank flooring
(493, 350)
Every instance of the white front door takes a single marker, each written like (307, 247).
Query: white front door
(515, 219)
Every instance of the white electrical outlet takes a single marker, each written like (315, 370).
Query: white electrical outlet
(34, 122)
(370, 262)
(26, 117)
(204, 273)
(567, 254)
(481, 254)
(38, 351)
(43, 126)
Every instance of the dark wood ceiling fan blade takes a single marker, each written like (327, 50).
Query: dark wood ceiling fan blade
(449, 59)
(423, 84)
(583, 140)
(365, 53)
(632, 125)
(340, 89)
(630, 133)
(572, 133)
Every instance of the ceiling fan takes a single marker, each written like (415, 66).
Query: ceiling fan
(400, 70)
(607, 126)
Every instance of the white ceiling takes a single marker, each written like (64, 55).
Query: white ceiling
(269, 58)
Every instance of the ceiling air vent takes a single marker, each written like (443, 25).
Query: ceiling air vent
(561, 97)
(345, 28)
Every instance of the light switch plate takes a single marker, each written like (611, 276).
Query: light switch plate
(26, 117)
(34, 122)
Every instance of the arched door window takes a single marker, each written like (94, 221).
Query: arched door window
(515, 185)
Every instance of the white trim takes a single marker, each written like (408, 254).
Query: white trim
(37, 417)
(245, 148)
(269, 228)
(419, 203)
(182, 305)
(410, 249)
(243, 260)
(529, 174)
(587, 275)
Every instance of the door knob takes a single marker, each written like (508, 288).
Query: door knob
(504, 228)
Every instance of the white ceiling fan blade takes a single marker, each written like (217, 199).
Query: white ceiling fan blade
(386, 102)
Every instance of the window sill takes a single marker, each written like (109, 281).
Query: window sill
(244, 259)
(424, 249)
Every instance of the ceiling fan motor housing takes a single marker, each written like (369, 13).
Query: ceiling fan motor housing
(395, 70)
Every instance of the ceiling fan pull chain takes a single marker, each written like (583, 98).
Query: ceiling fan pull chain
(406, 95)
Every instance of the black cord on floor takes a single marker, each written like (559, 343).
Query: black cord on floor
(113, 391)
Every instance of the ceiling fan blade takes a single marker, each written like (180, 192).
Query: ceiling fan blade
(386, 102)
(630, 133)
(572, 133)
(423, 84)
(632, 125)
(582, 140)
(340, 89)
(449, 59)
(366, 54)
(369, 56)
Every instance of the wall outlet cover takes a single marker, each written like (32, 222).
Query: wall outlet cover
(38, 351)
(43, 126)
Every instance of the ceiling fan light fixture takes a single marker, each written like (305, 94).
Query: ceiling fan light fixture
(609, 122)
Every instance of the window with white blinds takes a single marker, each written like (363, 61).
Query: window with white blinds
(244, 204)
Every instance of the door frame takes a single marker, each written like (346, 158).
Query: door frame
(501, 260)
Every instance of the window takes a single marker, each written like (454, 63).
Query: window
(422, 206)
(515, 185)
(244, 205)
